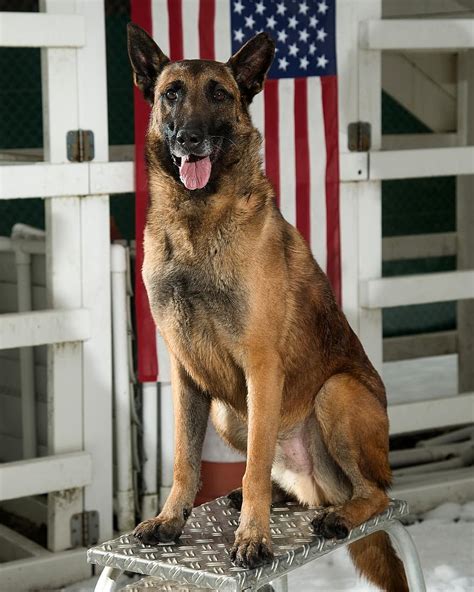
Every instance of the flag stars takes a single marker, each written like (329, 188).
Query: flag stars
(312, 49)
(304, 62)
(292, 22)
(283, 63)
(271, 22)
(313, 22)
(322, 7)
(249, 22)
(239, 35)
(322, 61)
(282, 35)
(303, 8)
(281, 8)
(303, 35)
(321, 35)
(238, 7)
(293, 49)
(260, 8)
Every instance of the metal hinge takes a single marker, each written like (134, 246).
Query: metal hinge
(359, 136)
(80, 145)
(85, 529)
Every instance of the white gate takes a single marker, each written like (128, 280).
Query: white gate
(77, 471)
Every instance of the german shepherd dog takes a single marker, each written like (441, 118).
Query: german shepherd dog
(255, 335)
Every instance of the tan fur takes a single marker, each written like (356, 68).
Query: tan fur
(256, 336)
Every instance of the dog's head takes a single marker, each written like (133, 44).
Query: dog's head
(199, 107)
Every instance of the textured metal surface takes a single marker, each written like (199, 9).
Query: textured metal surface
(201, 556)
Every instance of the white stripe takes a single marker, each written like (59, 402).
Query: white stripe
(222, 40)
(190, 17)
(159, 22)
(257, 113)
(164, 366)
(286, 123)
(317, 161)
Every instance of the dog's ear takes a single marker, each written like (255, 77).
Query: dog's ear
(251, 64)
(146, 58)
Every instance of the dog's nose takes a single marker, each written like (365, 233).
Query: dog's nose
(189, 139)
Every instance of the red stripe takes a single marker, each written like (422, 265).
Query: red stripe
(333, 239)
(207, 13)
(272, 139)
(175, 29)
(302, 158)
(146, 332)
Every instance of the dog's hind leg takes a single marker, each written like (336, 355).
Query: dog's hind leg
(354, 427)
(191, 412)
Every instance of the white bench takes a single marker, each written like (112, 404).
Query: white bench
(200, 560)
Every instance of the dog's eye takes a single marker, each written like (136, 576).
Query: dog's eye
(219, 94)
(171, 95)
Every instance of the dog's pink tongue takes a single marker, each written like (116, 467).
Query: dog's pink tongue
(195, 175)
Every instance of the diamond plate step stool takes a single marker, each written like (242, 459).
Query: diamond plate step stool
(200, 560)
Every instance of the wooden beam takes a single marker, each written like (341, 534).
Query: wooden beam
(417, 141)
(43, 327)
(429, 414)
(417, 34)
(409, 164)
(43, 180)
(417, 289)
(45, 474)
(408, 347)
(34, 29)
(419, 246)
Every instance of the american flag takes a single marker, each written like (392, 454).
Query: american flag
(296, 114)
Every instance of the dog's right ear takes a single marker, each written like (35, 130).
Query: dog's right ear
(146, 58)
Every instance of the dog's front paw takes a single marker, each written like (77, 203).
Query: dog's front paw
(158, 530)
(329, 524)
(235, 497)
(251, 549)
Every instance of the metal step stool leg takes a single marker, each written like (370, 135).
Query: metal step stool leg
(108, 579)
(408, 554)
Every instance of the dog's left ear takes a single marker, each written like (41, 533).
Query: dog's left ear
(146, 58)
(251, 64)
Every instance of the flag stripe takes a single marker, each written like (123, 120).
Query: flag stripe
(146, 332)
(175, 29)
(302, 157)
(286, 147)
(207, 13)
(160, 25)
(317, 169)
(272, 141)
(329, 94)
(222, 41)
(257, 113)
(191, 38)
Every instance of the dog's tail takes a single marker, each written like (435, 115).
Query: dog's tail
(376, 560)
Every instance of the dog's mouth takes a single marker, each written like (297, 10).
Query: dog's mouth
(195, 169)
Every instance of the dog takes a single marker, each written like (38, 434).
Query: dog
(256, 338)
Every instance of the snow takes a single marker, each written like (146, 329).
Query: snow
(445, 541)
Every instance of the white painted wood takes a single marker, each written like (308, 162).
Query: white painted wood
(354, 166)
(95, 280)
(417, 289)
(422, 83)
(349, 248)
(419, 246)
(425, 415)
(30, 29)
(111, 177)
(421, 8)
(43, 327)
(51, 571)
(43, 180)
(435, 162)
(42, 475)
(465, 220)
(152, 445)
(417, 34)
(407, 347)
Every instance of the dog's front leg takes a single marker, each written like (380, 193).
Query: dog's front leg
(191, 412)
(265, 384)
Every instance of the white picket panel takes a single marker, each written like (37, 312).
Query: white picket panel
(30, 29)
